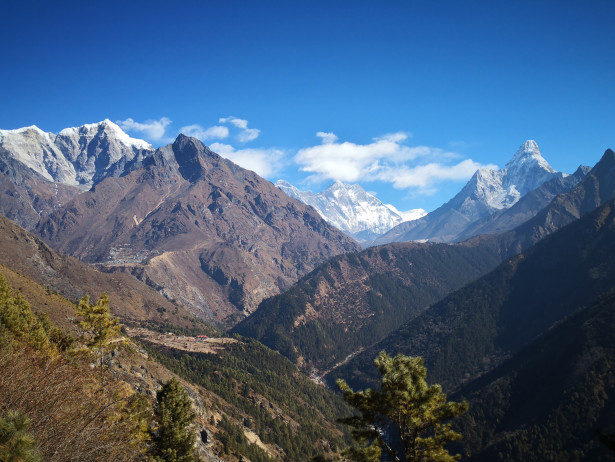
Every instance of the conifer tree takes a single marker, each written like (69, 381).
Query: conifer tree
(404, 413)
(18, 318)
(173, 438)
(100, 328)
(16, 444)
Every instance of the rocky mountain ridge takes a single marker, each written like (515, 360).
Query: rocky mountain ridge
(352, 300)
(26, 196)
(78, 156)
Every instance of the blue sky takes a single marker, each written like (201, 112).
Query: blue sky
(406, 98)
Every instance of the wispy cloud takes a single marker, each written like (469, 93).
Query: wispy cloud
(265, 162)
(425, 176)
(204, 134)
(386, 159)
(246, 134)
(153, 130)
(327, 137)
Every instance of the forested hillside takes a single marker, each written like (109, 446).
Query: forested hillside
(269, 397)
(548, 401)
(475, 328)
(354, 300)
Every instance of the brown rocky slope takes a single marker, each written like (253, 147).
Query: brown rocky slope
(213, 236)
(131, 300)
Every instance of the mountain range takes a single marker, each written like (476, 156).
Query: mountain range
(195, 226)
(77, 156)
(530, 343)
(512, 311)
(353, 210)
(485, 204)
(353, 300)
(205, 232)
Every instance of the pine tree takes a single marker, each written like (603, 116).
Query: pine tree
(15, 442)
(173, 438)
(404, 413)
(101, 330)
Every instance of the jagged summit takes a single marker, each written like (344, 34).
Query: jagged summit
(529, 148)
(189, 153)
(105, 128)
(77, 156)
(31, 128)
(500, 189)
(529, 153)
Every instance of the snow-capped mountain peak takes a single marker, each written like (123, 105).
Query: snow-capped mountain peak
(351, 209)
(77, 156)
(485, 198)
(108, 128)
(408, 215)
(31, 128)
(500, 189)
(528, 155)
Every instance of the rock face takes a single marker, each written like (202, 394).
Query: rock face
(25, 195)
(483, 198)
(80, 156)
(351, 209)
(213, 236)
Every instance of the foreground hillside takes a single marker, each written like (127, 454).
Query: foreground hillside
(249, 401)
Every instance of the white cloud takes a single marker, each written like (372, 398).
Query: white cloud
(385, 159)
(327, 137)
(246, 134)
(265, 162)
(424, 176)
(239, 123)
(397, 137)
(204, 134)
(153, 129)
